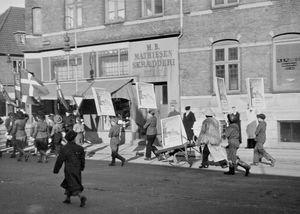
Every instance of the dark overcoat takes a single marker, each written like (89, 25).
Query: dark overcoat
(73, 157)
(188, 123)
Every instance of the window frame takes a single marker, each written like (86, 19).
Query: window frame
(107, 19)
(279, 42)
(37, 21)
(226, 64)
(289, 122)
(72, 20)
(225, 4)
(152, 9)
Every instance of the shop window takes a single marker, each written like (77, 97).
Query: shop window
(113, 62)
(224, 3)
(152, 7)
(67, 67)
(115, 10)
(227, 65)
(289, 131)
(286, 61)
(36, 21)
(73, 11)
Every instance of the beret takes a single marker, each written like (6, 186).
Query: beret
(187, 108)
(261, 116)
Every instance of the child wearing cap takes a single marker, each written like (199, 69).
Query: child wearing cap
(260, 138)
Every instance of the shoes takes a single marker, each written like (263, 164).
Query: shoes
(40, 161)
(111, 164)
(82, 201)
(67, 201)
(147, 159)
(123, 162)
(203, 166)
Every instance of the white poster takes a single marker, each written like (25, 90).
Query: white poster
(173, 132)
(146, 96)
(103, 102)
(221, 93)
(256, 94)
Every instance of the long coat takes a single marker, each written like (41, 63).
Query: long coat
(188, 123)
(73, 157)
(19, 134)
(114, 134)
(260, 132)
(210, 132)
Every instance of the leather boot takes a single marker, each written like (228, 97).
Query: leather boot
(245, 166)
(231, 170)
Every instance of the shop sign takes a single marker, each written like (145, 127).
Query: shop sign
(153, 57)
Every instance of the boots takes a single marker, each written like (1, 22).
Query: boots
(231, 170)
(245, 166)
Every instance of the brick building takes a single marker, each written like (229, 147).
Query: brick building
(179, 46)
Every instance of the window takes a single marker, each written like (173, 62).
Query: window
(226, 65)
(113, 62)
(36, 21)
(115, 10)
(224, 3)
(286, 63)
(73, 13)
(289, 131)
(66, 67)
(20, 37)
(152, 7)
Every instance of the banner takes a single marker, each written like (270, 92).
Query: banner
(146, 96)
(221, 93)
(173, 132)
(18, 92)
(256, 94)
(103, 102)
(32, 86)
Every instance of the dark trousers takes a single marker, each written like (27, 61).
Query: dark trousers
(115, 154)
(205, 154)
(150, 147)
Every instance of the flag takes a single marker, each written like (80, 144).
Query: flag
(18, 93)
(6, 95)
(32, 86)
(30, 100)
(60, 95)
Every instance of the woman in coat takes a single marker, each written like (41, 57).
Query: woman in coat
(72, 155)
(232, 134)
(19, 135)
(41, 135)
(114, 134)
(151, 132)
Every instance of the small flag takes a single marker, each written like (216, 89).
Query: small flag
(60, 94)
(6, 95)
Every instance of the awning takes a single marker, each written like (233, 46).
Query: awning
(117, 87)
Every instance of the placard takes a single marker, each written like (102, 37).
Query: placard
(256, 94)
(173, 132)
(146, 96)
(221, 93)
(103, 102)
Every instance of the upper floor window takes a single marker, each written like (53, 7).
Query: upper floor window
(152, 7)
(115, 10)
(224, 3)
(227, 65)
(36, 21)
(66, 67)
(113, 62)
(73, 13)
(286, 62)
(20, 37)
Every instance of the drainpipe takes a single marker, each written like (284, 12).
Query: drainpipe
(181, 19)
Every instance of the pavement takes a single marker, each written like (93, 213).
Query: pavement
(287, 160)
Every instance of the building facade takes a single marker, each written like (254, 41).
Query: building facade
(179, 46)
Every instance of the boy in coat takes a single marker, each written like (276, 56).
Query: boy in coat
(73, 157)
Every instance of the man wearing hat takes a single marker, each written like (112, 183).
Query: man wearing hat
(188, 122)
(260, 139)
(69, 120)
(72, 155)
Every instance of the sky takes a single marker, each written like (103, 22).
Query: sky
(5, 4)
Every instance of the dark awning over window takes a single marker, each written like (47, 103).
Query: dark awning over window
(117, 87)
